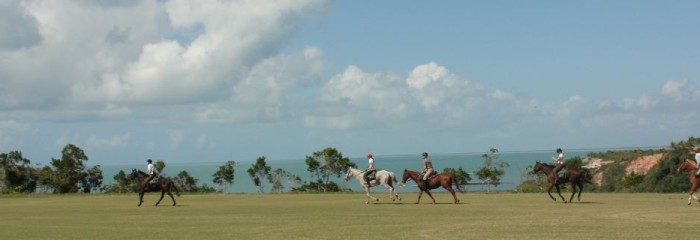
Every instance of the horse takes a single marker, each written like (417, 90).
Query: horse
(574, 176)
(163, 185)
(444, 180)
(383, 177)
(690, 166)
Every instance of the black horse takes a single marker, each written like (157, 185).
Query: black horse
(163, 185)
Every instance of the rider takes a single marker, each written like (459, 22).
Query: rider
(558, 164)
(151, 171)
(427, 169)
(370, 169)
(696, 154)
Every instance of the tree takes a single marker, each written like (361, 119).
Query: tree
(225, 176)
(186, 182)
(279, 177)
(17, 173)
(326, 163)
(69, 169)
(258, 171)
(160, 165)
(44, 179)
(632, 180)
(93, 180)
(491, 172)
(122, 184)
(460, 175)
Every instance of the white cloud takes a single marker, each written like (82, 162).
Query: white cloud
(144, 53)
(201, 142)
(12, 132)
(437, 89)
(176, 137)
(115, 141)
(19, 30)
(269, 90)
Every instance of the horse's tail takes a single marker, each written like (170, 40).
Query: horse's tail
(173, 185)
(393, 178)
(587, 177)
(454, 180)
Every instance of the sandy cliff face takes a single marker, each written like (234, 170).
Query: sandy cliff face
(640, 166)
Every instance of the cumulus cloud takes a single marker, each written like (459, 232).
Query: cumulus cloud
(360, 98)
(19, 29)
(269, 90)
(144, 53)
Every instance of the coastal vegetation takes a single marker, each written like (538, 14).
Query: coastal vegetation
(617, 172)
(612, 171)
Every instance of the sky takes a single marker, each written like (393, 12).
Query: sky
(213, 81)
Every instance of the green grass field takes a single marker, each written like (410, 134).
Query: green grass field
(345, 216)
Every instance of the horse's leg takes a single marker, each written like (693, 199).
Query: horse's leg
(369, 196)
(430, 195)
(580, 189)
(140, 197)
(162, 193)
(549, 191)
(691, 195)
(419, 195)
(390, 189)
(573, 190)
(449, 188)
(559, 192)
(171, 196)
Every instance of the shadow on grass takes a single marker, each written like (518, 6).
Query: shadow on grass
(586, 202)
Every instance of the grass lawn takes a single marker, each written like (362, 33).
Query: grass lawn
(345, 216)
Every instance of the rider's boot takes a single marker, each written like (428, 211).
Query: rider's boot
(426, 184)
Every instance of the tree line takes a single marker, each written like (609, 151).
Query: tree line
(70, 174)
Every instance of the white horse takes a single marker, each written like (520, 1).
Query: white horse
(385, 178)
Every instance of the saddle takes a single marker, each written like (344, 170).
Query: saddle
(371, 176)
(432, 175)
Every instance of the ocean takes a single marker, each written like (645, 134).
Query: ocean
(470, 162)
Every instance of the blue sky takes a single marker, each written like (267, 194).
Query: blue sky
(211, 81)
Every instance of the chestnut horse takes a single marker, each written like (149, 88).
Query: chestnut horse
(690, 166)
(163, 185)
(443, 180)
(574, 176)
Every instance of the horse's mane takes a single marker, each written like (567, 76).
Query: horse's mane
(140, 172)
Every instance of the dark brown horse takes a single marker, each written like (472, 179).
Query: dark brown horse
(574, 176)
(690, 166)
(163, 185)
(443, 180)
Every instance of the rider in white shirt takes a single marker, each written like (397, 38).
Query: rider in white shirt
(696, 154)
(370, 169)
(151, 171)
(558, 164)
